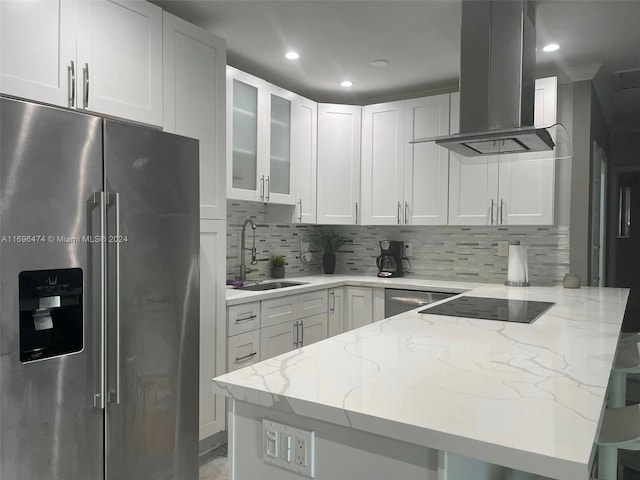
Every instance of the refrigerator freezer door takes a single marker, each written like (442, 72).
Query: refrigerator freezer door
(50, 167)
(152, 433)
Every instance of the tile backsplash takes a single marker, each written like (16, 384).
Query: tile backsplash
(439, 252)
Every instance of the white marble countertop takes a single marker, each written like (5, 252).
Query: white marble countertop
(317, 282)
(526, 396)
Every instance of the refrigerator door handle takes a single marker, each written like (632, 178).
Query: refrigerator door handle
(114, 199)
(99, 398)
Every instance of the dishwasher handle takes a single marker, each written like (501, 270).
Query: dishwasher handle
(398, 301)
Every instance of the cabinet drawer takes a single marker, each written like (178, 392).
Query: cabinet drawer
(243, 350)
(312, 303)
(278, 310)
(243, 318)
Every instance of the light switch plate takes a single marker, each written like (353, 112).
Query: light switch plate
(288, 447)
(503, 248)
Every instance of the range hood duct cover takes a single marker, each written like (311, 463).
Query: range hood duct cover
(497, 81)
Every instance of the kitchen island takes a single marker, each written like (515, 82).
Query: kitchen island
(435, 397)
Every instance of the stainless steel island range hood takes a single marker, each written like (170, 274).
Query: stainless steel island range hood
(497, 83)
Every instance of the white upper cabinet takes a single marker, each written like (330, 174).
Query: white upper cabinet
(103, 56)
(38, 50)
(194, 99)
(279, 171)
(259, 166)
(304, 144)
(119, 68)
(404, 183)
(339, 129)
(426, 168)
(383, 164)
(516, 189)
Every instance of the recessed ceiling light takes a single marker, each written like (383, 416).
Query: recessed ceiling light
(347, 83)
(552, 47)
(292, 55)
(380, 62)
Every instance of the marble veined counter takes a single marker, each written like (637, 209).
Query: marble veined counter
(317, 282)
(524, 396)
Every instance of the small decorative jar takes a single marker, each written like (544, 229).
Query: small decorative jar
(571, 280)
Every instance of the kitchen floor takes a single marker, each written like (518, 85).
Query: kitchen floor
(213, 465)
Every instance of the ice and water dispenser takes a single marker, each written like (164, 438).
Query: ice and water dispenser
(51, 322)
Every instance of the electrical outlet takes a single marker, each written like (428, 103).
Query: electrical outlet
(288, 447)
(301, 452)
(408, 249)
(503, 248)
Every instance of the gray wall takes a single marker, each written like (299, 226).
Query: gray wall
(589, 125)
(439, 252)
(624, 150)
(579, 244)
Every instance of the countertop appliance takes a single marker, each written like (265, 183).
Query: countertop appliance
(389, 262)
(397, 301)
(99, 298)
(501, 309)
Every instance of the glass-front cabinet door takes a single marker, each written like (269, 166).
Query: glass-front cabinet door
(258, 140)
(278, 183)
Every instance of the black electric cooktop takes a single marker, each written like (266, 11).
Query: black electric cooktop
(501, 309)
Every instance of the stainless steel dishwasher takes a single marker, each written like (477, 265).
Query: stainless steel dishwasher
(397, 301)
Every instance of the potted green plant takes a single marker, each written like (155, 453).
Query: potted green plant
(277, 266)
(329, 242)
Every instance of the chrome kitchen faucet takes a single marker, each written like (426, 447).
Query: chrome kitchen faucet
(243, 267)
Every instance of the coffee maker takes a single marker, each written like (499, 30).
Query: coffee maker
(390, 260)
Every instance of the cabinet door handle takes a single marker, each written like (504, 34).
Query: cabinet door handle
(71, 87)
(356, 222)
(300, 217)
(333, 301)
(268, 190)
(300, 324)
(262, 187)
(492, 211)
(238, 320)
(85, 80)
(295, 335)
(406, 209)
(399, 208)
(246, 357)
(501, 209)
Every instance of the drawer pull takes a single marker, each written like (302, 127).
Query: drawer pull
(246, 357)
(250, 317)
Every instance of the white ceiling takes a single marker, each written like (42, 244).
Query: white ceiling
(338, 38)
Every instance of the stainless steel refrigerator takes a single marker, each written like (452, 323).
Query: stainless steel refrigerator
(99, 298)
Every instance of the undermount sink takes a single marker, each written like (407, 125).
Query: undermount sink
(270, 285)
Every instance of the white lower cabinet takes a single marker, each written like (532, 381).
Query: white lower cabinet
(336, 318)
(243, 350)
(312, 329)
(278, 310)
(212, 324)
(261, 330)
(278, 339)
(359, 306)
(243, 318)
